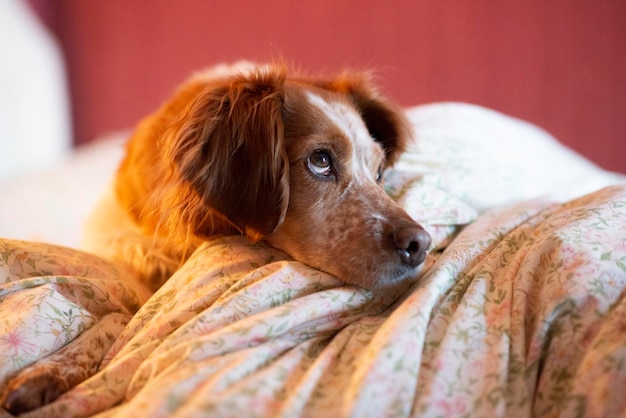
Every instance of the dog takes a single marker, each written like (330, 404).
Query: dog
(294, 161)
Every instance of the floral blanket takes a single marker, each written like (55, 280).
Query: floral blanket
(522, 314)
(519, 310)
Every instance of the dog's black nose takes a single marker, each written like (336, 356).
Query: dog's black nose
(412, 244)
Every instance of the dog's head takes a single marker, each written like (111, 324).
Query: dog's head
(296, 162)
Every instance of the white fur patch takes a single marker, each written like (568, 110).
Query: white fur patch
(348, 120)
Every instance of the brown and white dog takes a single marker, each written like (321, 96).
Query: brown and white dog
(247, 150)
(296, 162)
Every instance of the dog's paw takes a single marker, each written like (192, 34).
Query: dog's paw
(50, 377)
(32, 388)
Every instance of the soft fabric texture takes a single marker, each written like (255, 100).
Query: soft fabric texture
(519, 309)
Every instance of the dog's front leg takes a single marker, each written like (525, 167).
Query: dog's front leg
(50, 377)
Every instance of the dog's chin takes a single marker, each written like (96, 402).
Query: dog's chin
(401, 275)
(388, 278)
(394, 278)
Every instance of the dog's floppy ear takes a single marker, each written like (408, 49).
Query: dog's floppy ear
(229, 148)
(385, 121)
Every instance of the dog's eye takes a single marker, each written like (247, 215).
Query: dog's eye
(320, 163)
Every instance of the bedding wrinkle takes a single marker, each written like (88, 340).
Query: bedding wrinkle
(308, 329)
(72, 295)
(463, 303)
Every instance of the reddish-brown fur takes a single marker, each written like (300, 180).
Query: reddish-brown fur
(219, 159)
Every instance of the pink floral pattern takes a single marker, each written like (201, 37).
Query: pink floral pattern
(50, 294)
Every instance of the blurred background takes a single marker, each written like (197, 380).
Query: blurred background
(74, 70)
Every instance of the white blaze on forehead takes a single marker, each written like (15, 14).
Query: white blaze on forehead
(348, 120)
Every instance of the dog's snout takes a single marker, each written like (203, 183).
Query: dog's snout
(411, 244)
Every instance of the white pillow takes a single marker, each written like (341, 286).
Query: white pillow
(485, 158)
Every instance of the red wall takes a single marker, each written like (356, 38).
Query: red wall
(561, 65)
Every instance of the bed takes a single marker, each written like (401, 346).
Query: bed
(519, 309)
